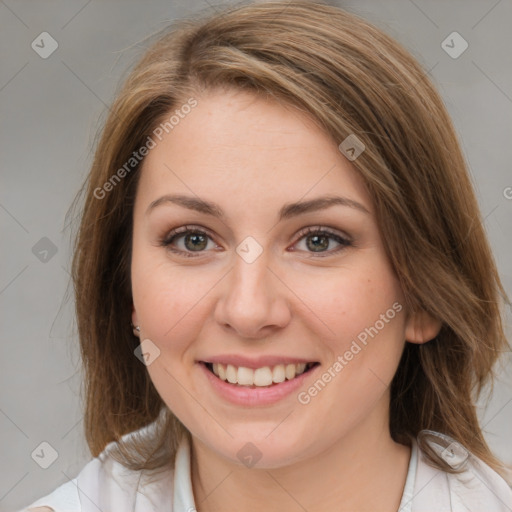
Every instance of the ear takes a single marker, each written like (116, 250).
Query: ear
(421, 327)
(134, 316)
(134, 320)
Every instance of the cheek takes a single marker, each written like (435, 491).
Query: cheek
(169, 299)
(361, 308)
(365, 312)
(373, 332)
(351, 299)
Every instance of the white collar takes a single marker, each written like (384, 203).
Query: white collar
(104, 484)
(426, 488)
(184, 498)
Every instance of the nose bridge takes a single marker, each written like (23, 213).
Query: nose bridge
(253, 298)
(250, 278)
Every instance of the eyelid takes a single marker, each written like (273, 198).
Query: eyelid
(300, 233)
(185, 229)
(325, 229)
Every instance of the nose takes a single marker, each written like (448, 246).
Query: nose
(254, 301)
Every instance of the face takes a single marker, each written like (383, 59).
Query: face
(256, 283)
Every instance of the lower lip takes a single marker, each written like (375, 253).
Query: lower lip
(241, 395)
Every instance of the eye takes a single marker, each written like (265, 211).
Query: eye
(318, 239)
(194, 240)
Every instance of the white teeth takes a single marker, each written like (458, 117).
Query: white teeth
(231, 374)
(264, 376)
(221, 371)
(278, 374)
(245, 376)
(289, 371)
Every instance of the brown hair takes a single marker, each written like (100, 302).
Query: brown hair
(350, 78)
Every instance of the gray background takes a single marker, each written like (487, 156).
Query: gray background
(50, 111)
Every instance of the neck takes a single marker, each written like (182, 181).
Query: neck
(364, 470)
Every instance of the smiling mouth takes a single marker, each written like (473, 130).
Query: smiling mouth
(264, 377)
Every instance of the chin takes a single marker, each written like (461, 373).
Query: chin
(253, 450)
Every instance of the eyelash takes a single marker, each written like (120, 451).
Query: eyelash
(317, 230)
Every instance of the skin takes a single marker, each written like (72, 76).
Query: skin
(251, 156)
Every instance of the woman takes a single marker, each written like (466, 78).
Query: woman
(285, 296)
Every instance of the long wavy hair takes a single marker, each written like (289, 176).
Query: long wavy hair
(350, 78)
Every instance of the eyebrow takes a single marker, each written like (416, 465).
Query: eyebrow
(288, 211)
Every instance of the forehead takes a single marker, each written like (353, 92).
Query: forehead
(234, 144)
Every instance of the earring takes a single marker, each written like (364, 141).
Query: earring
(136, 329)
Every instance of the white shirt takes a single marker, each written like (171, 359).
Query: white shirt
(104, 485)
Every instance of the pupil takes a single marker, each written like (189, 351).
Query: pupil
(195, 237)
(316, 238)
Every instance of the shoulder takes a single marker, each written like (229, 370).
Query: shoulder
(64, 497)
(475, 486)
(105, 484)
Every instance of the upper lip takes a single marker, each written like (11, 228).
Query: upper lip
(255, 362)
